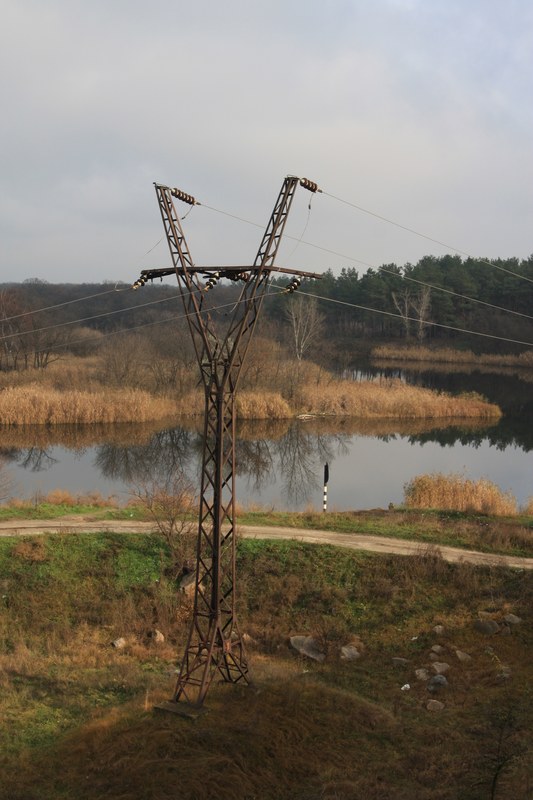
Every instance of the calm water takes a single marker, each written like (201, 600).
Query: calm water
(281, 465)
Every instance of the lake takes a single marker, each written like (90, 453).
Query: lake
(280, 464)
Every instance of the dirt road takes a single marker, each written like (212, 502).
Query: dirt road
(353, 541)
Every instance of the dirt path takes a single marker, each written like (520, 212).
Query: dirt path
(354, 541)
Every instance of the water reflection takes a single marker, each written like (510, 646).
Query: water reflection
(277, 462)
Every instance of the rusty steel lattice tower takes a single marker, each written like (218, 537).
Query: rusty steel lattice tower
(214, 643)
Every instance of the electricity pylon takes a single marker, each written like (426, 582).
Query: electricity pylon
(214, 644)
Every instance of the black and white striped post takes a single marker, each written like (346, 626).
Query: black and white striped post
(326, 479)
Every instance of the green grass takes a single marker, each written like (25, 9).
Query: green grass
(79, 720)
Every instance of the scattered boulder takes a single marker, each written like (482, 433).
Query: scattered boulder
(307, 646)
(422, 674)
(462, 656)
(400, 662)
(433, 657)
(486, 626)
(119, 643)
(439, 630)
(512, 619)
(440, 667)
(157, 637)
(438, 648)
(435, 705)
(437, 682)
(349, 652)
(405, 687)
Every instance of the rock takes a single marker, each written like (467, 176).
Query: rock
(439, 630)
(400, 662)
(462, 656)
(505, 631)
(512, 619)
(350, 653)
(437, 682)
(405, 687)
(422, 674)
(187, 583)
(119, 643)
(435, 705)
(307, 646)
(440, 667)
(158, 637)
(438, 648)
(433, 657)
(486, 626)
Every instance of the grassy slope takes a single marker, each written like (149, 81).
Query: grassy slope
(79, 712)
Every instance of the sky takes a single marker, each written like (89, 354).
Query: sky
(420, 111)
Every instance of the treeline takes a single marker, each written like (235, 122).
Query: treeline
(435, 301)
(414, 301)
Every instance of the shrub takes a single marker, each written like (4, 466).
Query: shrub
(457, 493)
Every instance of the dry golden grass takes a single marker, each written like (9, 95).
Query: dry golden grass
(450, 356)
(390, 399)
(37, 405)
(262, 405)
(457, 493)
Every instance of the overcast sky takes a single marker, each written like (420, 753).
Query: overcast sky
(418, 110)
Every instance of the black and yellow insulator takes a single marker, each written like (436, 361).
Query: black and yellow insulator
(293, 285)
(139, 282)
(311, 186)
(183, 196)
(213, 280)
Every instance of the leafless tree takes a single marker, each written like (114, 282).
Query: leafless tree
(417, 304)
(420, 304)
(170, 503)
(402, 301)
(306, 323)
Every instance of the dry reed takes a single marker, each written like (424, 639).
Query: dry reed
(456, 493)
(448, 355)
(37, 405)
(391, 399)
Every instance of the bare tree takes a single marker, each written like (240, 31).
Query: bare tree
(306, 323)
(408, 303)
(402, 301)
(420, 304)
(170, 503)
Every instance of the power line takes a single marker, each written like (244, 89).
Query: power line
(384, 269)
(423, 235)
(414, 319)
(66, 303)
(86, 319)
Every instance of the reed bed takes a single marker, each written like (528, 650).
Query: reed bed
(391, 399)
(38, 405)
(262, 405)
(456, 493)
(448, 355)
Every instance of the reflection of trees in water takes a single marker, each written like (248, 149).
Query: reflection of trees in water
(167, 451)
(255, 460)
(297, 456)
(37, 459)
(302, 455)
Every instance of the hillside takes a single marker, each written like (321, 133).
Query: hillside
(79, 711)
